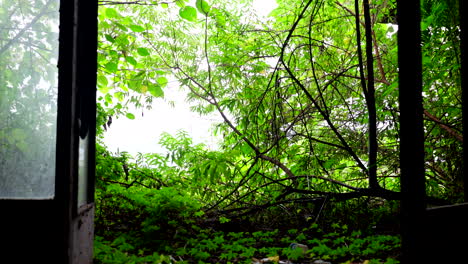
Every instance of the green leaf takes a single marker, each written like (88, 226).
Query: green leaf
(112, 13)
(130, 116)
(223, 219)
(122, 27)
(122, 40)
(189, 13)
(246, 149)
(426, 60)
(111, 67)
(203, 7)
(136, 28)
(329, 163)
(143, 51)
(104, 89)
(109, 38)
(162, 81)
(102, 80)
(219, 17)
(119, 95)
(180, 3)
(131, 60)
(390, 89)
(165, 5)
(155, 90)
(108, 98)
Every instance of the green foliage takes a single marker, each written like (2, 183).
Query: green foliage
(140, 212)
(203, 7)
(289, 87)
(117, 253)
(297, 116)
(189, 13)
(217, 246)
(157, 215)
(339, 248)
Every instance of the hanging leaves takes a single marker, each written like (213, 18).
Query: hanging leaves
(189, 13)
(203, 7)
(130, 116)
(155, 90)
(162, 81)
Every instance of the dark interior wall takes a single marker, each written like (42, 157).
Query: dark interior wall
(31, 231)
(446, 234)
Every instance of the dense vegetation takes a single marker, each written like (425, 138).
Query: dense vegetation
(310, 149)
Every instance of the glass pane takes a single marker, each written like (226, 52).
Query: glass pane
(83, 172)
(28, 97)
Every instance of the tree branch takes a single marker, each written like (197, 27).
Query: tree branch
(373, 145)
(376, 47)
(41, 13)
(311, 98)
(137, 2)
(451, 132)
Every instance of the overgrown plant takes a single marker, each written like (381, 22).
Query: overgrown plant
(308, 98)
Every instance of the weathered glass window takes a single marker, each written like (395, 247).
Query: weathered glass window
(28, 97)
(83, 172)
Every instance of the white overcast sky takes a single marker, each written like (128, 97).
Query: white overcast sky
(142, 134)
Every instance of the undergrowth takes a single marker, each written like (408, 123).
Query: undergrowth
(210, 246)
(165, 225)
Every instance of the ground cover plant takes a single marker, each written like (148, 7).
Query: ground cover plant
(310, 133)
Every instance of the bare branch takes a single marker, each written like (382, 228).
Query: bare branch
(137, 2)
(442, 125)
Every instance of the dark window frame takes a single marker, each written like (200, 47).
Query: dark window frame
(50, 230)
(429, 235)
